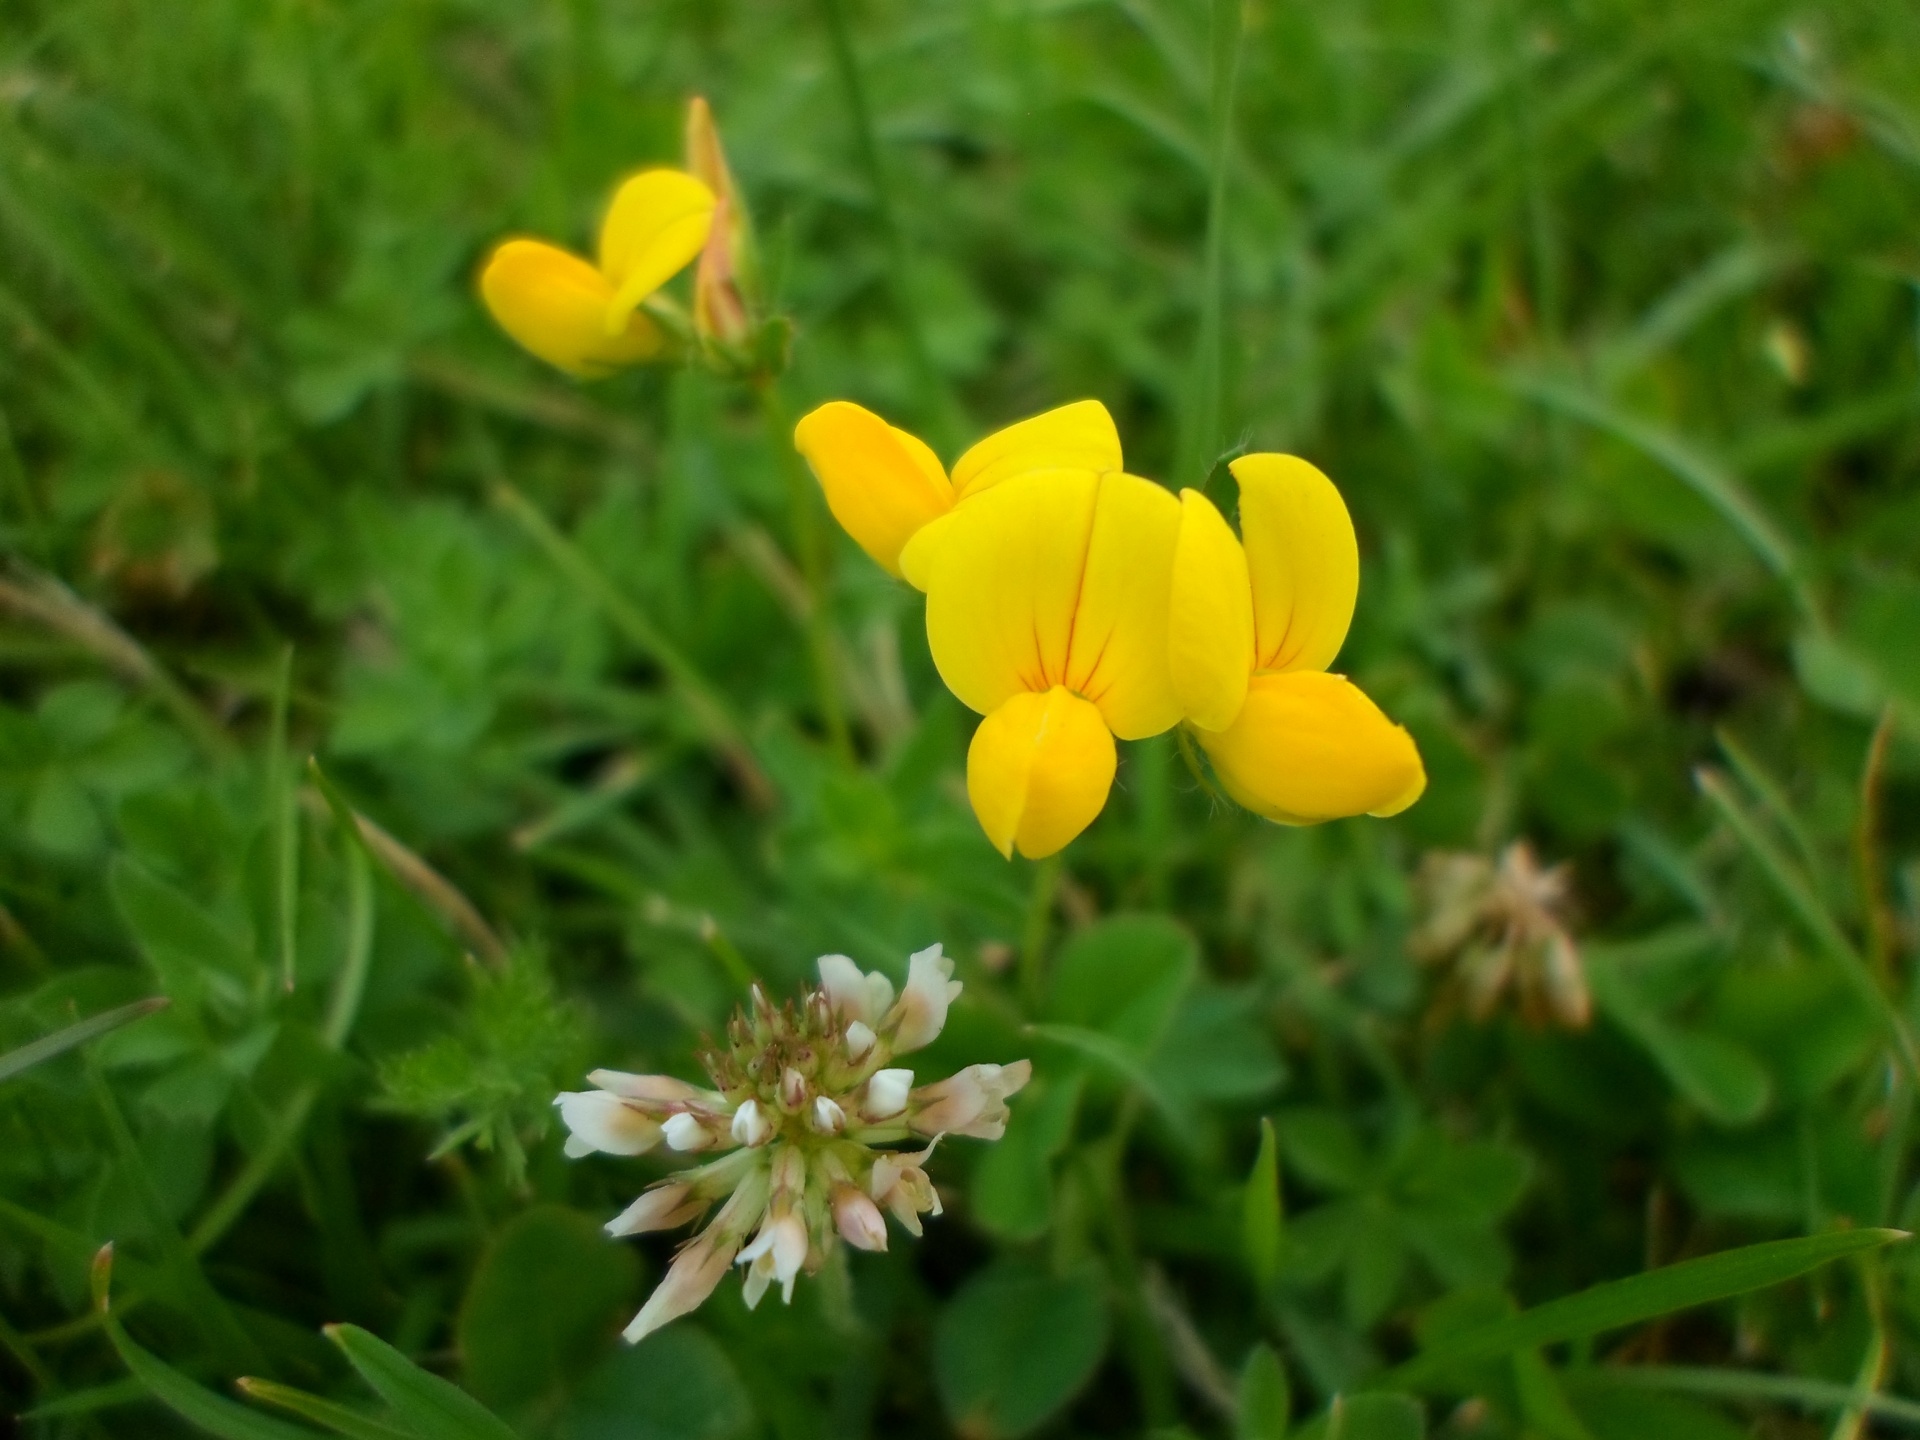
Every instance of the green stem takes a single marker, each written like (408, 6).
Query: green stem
(709, 710)
(1033, 942)
(808, 544)
(948, 421)
(1201, 435)
(1805, 907)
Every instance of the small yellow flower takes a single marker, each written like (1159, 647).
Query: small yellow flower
(1254, 624)
(585, 318)
(1070, 603)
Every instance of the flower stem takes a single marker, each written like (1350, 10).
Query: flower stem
(810, 547)
(1033, 943)
(943, 409)
(1200, 439)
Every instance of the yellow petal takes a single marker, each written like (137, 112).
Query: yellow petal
(1210, 617)
(555, 303)
(1303, 560)
(882, 484)
(1117, 646)
(916, 556)
(1309, 746)
(657, 223)
(1002, 584)
(1080, 436)
(1038, 771)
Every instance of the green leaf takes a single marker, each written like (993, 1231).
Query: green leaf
(79, 1033)
(1120, 1061)
(213, 1413)
(677, 1384)
(180, 937)
(1013, 1181)
(1014, 1346)
(547, 1297)
(1124, 977)
(1617, 1303)
(1263, 1402)
(1375, 1417)
(337, 1418)
(1626, 1415)
(1712, 1071)
(1322, 1145)
(434, 1409)
(1261, 1216)
(1749, 1385)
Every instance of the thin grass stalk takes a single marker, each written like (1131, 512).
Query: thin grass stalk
(815, 561)
(1883, 929)
(947, 419)
(1200, 441)
(1806, 907)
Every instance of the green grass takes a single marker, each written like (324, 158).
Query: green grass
(1604, 316)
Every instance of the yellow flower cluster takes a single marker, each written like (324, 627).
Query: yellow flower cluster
(1070, 603)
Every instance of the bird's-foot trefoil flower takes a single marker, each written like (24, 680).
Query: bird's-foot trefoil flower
(1071, 603)
(586, 317)
(804, 1104)
(1254, 622)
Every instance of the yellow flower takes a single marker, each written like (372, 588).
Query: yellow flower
(1252, 629)
(586, 318)
(1070, 603)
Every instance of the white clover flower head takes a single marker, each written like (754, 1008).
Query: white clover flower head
(804, 1103)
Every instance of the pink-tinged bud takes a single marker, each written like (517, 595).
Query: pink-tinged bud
(690, 1279)
(660, 1208)
(600, 1121)
(922, 1011)
(887, 1094)
(858, 1219)
(687, 1132)
(856, 995)
(828, 1117)
(971, 1103)
(860, 1041)
(725, 277)
(793, 1091)
(650, 1089)
(750, 1124)
(777, 1253)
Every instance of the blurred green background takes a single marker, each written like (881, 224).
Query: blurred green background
(1602, 314)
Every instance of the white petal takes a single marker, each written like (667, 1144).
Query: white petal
(654, 1089)
(923, 1004)
(690, 1279)
(605, 1122)
(887, 1093)
(828, 1117)
(846, 986)
(860, 1040)
(750, 1124)
(660, 1208)
(685, 1133)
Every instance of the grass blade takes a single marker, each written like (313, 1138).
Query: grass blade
(335, 1417)
(1814, 917)
(1753, 1385)
(283, 822)
(433, 1408)
(1261, 1216)
(213, 1413)
(47, 1046)
(1615, 1304)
